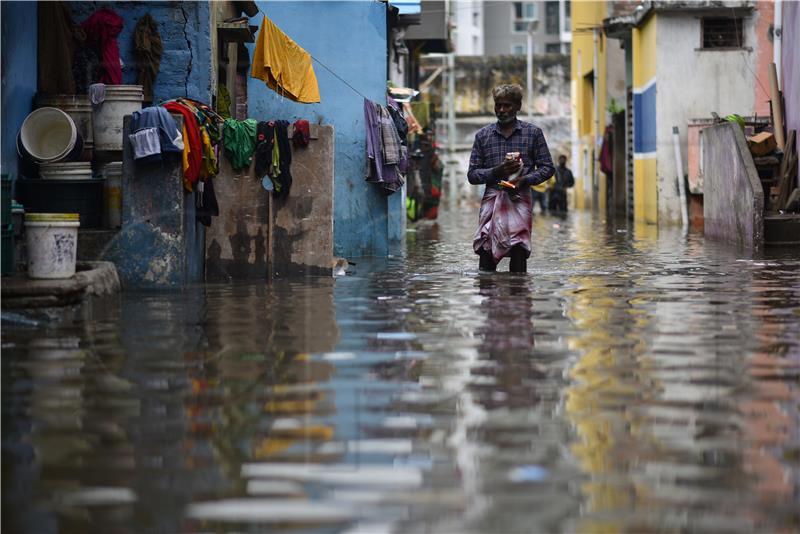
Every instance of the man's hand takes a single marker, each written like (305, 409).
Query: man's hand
(506, 169)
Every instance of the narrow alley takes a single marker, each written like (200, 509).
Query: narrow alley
(635, 379)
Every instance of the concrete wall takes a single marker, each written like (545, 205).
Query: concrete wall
(186, 34)
(733, 203)
(302, 224)
(791, 66)
(19, 49)
(160, 245)
(476, 76)
(350, 38)
(721, 81)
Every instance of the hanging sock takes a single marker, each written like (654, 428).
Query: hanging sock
(284, 65)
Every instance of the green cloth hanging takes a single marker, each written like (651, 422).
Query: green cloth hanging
(239, 138)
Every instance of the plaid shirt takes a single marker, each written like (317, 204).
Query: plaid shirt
(490, 147)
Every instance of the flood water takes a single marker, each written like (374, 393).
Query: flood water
(633, 380)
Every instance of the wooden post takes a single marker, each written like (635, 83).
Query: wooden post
(777, 106)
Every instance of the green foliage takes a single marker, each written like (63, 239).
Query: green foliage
(614, 107)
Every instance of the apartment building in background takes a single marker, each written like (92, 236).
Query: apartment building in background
(506, 26)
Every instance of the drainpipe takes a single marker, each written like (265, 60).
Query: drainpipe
(676, 142)
(777, 24)
(596, 136)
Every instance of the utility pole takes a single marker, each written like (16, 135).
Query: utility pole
(451, 132)
(532, 25)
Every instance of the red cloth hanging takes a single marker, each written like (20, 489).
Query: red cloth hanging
(102, 28)
(194, 145)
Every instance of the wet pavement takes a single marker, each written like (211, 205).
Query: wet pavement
(633, 380)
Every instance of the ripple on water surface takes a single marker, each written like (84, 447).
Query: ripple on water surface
(634, 379)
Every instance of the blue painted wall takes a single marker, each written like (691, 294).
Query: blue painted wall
(350, 38)
(186, 34)
(19, 46)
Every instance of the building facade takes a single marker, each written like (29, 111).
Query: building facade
(506, 26)
(725, 49)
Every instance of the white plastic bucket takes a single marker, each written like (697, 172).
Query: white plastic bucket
(48, 135)
(52, 242)
(78, 107)
(120, 100)
(66, 171)
(112, 172)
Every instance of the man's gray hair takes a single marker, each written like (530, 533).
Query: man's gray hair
(512, 91)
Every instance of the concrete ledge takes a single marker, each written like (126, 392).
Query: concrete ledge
(92, 278)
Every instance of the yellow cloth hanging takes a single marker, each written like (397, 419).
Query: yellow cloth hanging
(284, 65)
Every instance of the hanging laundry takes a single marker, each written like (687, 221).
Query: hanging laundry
(193, 147)
(223, 102)
(398, 118)
(102, 29)
(154, 132)
(207, 203)
(265, 140)
(239, 138)
(284, 65)
(378, 170)
(148, 49)
(97, 93)
(56, 48)
(302, 133)
(282, 160)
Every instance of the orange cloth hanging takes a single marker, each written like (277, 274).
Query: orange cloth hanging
(284, 65)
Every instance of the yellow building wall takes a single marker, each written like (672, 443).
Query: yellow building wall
(645, 178)
(586, 16)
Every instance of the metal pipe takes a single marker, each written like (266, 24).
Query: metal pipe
(777, 24)
(451, 130)
(676, 142)
(529, 74)
(596, 134)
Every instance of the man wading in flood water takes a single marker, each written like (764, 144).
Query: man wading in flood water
(509, 157)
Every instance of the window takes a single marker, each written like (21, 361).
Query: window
(523, 13)
(476, 19)
(552, 48)
(519, 50)
(722, 32)
(551, 18)
(475, 43)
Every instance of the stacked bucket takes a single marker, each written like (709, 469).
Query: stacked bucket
(65, 136)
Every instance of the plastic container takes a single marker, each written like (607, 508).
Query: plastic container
(79, 108)
(84, 197)
(48, 135)
(66, 171)
(52, 242)
(112, 194)
(120, 100)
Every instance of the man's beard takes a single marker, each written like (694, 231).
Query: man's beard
(505, 119)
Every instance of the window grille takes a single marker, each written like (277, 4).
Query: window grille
(722, 32)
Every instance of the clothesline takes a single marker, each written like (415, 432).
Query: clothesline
(329, 69)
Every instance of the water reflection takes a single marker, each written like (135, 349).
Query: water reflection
(634, 380)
